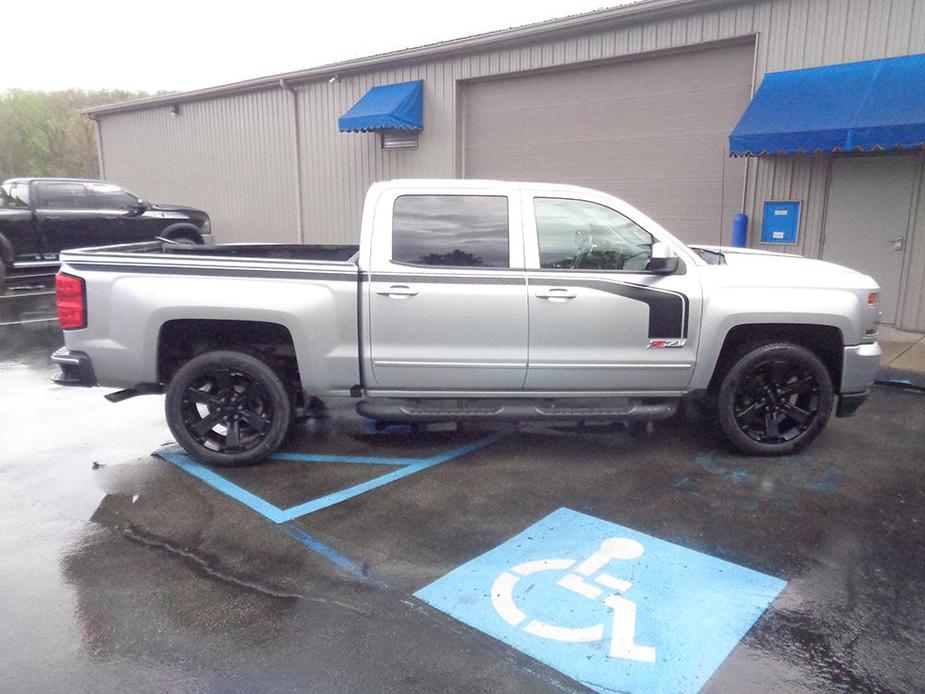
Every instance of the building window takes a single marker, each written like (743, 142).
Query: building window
(398, 139)
(451, 230)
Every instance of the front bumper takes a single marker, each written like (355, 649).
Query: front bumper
(859, 368)
(76, 369)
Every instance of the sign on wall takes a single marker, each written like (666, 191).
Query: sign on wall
(781, 222)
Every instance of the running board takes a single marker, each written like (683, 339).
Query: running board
(564, 409)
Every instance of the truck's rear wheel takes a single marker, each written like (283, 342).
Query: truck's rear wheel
(775, 399)
(228, 408)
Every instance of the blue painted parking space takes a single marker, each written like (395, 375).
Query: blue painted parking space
(613, 608)
(405, 467)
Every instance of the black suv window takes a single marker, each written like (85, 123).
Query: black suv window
(106, 196)
(14, 195)
(454, 230)
(60, 195)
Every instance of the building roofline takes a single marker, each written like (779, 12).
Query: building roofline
(642, 9)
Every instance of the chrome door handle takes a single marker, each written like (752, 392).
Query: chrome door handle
(397, 291)
(898, 243)
(557, 294)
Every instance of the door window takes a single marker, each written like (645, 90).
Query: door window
(581, 235)
(15, 195)
(451, 230)
(56, 195)
(109, 197)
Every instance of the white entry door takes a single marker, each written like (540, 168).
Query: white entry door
(867, 220)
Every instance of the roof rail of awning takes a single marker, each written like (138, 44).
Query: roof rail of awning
(874, 105)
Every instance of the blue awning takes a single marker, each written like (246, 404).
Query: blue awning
(399, 106)
(853, 107)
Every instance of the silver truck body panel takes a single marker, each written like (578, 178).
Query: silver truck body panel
(401, 330)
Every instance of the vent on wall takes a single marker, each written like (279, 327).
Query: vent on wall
(398, 139)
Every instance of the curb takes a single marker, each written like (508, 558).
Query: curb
(901, 377)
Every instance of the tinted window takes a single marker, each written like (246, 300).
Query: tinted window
(14, 195)
(62, 196)
(457, 230)
(581, 235)
(109, 197)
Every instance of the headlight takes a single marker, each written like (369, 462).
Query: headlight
(207, 226)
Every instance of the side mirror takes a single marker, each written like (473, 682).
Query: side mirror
(139, 208)
(663, 261)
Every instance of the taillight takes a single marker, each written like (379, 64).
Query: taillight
(873, 299)
(71, 300)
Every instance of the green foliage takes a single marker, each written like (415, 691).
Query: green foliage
(44, 133)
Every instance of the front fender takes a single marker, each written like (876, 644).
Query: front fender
(730, 308)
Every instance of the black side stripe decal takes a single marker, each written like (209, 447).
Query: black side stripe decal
(316, 275)
(442, 279)
(668, 310)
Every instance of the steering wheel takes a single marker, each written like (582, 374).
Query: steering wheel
(584, 244)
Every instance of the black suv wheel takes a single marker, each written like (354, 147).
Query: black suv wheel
(228, 408)
(775, 399)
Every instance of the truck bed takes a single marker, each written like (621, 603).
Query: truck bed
(278, 251)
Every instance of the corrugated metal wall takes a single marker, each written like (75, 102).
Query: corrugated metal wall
(233, 157)
(239, 136)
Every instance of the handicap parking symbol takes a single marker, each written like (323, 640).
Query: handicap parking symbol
(611, 607)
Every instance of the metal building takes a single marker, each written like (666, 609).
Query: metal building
(638, 100)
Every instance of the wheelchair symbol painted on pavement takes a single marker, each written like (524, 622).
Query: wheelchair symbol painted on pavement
(611, 607)
(581, 581)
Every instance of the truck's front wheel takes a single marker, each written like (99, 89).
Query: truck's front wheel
(775, 399)
(228, 408)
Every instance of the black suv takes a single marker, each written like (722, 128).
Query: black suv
(39, 217)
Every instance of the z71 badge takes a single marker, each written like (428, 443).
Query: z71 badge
(665, 344)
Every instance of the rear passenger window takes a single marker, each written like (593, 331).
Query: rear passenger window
(62, 196)
(451, 230)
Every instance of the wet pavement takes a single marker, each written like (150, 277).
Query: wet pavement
(121, 570)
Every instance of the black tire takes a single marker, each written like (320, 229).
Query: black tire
(241, 397)
(182, 233)
(775, 399)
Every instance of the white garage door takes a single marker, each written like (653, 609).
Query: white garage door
(652, 131)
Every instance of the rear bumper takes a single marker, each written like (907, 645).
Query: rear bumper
(859, 367)
(76, 369)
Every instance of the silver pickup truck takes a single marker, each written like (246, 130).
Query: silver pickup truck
(471, 300)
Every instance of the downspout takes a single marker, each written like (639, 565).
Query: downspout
(99, 146)
(296, 159)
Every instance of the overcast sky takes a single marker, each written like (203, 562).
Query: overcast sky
(187, 44)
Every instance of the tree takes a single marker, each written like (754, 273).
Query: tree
(44, 133)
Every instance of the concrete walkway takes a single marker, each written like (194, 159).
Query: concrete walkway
(903, 357)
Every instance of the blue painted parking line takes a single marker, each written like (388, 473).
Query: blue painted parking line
(406, 467)
(610, 607)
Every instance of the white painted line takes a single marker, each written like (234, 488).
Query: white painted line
(572, 634)
(613, 582)
(531, 567)
(502, 599)
(574, 583)
(30, 320)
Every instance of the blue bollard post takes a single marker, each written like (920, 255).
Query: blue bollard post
(740, 230)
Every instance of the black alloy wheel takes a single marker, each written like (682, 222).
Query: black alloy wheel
(775, 399)
(228, 408)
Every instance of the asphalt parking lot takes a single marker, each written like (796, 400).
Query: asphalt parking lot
(352, 563)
